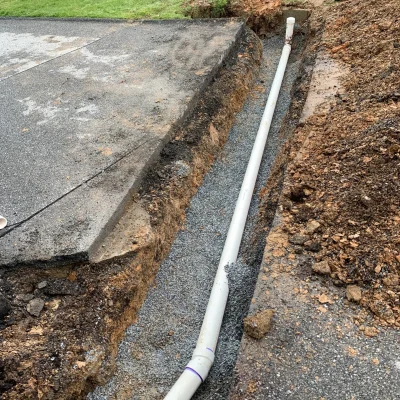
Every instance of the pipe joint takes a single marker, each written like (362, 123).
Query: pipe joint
(201, 365)
(204, 352)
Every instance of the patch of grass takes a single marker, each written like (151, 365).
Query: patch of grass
(129, 9)
(206, 8)
(219, 7)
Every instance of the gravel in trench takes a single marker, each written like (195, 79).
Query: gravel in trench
(158, 346)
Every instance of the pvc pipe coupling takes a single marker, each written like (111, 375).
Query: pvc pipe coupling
(289, 29)
(3, 222)
(201, 362)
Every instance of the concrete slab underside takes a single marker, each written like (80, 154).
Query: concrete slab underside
(85, 107)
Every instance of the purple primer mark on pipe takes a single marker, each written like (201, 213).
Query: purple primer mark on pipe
(207, 348)
(196, 373)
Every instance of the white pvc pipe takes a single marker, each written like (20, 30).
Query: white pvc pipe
(3, 222)
(203, 356)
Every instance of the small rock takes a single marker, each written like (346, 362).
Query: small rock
(35, 306)
(322, 268)
(42, 285)
(370, 331)
(391, 280)
(5, 307)
(353, 293)
(312, 227)
(298, 249)
(315, 247)
(25, 297)
(298, 239)
(259, 324)
(323, 299)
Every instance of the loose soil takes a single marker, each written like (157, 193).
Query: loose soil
(341, 188)
(261, 15)
(83, 310)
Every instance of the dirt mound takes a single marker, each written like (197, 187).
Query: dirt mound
(347, 177)
(260, 15)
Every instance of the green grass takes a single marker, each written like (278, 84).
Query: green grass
(134, 9)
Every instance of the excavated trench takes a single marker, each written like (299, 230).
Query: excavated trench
(71, 350)
(157, 347)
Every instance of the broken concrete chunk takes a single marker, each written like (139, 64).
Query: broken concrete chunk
(259, 324)
(322, 268)
(312, 227)
(353, 293)
(35, 307)
(298, 239)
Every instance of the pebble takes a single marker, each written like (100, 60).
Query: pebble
(312, 246)
(35, 306)
(298, 239)
(312, 226)
(25, 297)
(182, 169)
(353, 293)
(42, 285)
(259, 324)
(391, 280)
(322, 268)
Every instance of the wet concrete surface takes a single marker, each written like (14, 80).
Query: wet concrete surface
(159, 345)
(86, 107)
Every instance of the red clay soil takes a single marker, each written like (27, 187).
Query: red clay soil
(260, 15)
(347, 178)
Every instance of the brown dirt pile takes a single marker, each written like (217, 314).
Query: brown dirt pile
(346, 177)
(260, 15)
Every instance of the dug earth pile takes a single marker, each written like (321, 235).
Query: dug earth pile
(341, 196)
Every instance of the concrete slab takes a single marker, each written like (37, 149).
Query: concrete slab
(87, 106)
